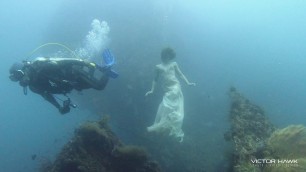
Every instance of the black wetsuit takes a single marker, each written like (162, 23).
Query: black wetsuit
(48, 76)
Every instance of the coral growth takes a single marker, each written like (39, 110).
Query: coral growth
(129, 157)
(249, 130)
(95, 148)
(287, 144)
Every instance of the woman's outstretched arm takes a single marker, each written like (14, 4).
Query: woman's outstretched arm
(182, 76)
(153, 82)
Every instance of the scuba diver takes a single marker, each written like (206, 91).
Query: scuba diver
(49, 76)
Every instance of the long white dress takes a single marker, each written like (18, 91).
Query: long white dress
(170, 113)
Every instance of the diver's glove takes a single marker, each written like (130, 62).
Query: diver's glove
(66, 107)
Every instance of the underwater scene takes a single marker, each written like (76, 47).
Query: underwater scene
(153, 86)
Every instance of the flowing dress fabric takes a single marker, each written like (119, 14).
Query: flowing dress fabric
(170, 113)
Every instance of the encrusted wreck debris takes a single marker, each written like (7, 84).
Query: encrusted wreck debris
(95, 148)
(249, 131)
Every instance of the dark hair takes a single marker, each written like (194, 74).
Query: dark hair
(167, 54)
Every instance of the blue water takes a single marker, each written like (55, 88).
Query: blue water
(257, 46)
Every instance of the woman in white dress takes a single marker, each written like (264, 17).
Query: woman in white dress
(170, 113)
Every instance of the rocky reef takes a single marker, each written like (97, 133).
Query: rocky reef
(95, 148)
(249, 131)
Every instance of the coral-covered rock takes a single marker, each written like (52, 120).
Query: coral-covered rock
(95, 148)
(249, 131)
(298, 167)
(287, 144)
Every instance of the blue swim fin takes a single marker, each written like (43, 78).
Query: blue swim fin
(109, 61)
(112, 74)
(108, 58)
